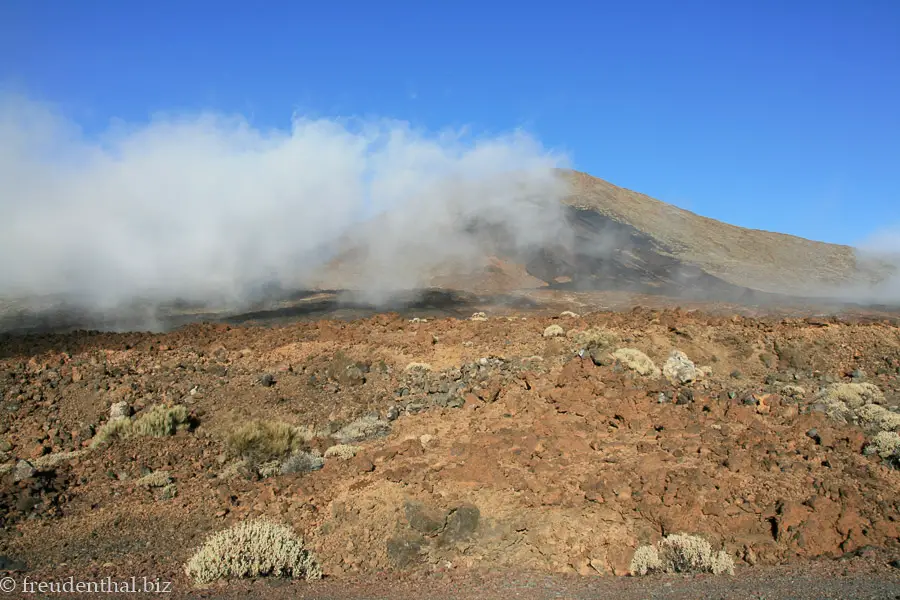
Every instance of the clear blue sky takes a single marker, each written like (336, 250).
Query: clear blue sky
(779, 115)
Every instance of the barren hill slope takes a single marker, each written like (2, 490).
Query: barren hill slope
(762, 260)
(611, 239)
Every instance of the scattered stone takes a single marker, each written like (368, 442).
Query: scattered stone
(119, 410)
(302, 462)
(684, 397)
(679, 369)
(23, 470)
(479, 316)
(392, 413)
(813, 434)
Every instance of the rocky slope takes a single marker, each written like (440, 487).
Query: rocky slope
(521, 442)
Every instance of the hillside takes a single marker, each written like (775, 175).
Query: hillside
(762, 260)
(610, 239)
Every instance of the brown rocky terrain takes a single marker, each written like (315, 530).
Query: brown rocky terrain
(477, 445)
(522, 425)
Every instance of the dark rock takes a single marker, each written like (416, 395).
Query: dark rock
(461, 524)
(684, 397)
(392, 413)
(423, 519)
(11, 564)
(405, 551)
(814, 435)
(456, 402)
(267, 380)
(414, 407)
(736, 374)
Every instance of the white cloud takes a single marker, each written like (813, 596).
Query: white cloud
(206, 206)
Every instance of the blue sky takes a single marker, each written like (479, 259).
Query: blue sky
(782, 116)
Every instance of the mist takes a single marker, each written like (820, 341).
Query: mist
(209, 208)
(881, 248)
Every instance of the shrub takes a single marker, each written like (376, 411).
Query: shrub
(553, 331)
(877, 418)
(596, 337)
(342, 451)
(364, 428)
(161, 421)
(260, 441)
(886, 444)
(156, 479)
(680, 553)
(112, 430)
(851, 395)
(636, 361)
(252, 549)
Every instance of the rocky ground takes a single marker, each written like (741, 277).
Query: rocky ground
(522, 443)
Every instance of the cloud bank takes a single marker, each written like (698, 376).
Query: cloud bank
(208, 208)
(882, 246)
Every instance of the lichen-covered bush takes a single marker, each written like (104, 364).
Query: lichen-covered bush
(363, 428)
(886, 444)
(840, 400)
(342, 451)
(877, 418)
(681, 553)
(156, 479)
(595, 337)
(252, 549)
(553, 331)
(636, 361)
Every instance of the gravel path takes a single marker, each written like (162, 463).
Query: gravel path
(864, 578)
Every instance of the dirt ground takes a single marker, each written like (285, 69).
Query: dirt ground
(508, 460)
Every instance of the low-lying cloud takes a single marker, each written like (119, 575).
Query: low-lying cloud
(208, 207)
(882, 247)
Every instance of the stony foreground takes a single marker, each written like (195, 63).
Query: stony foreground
(446, 448)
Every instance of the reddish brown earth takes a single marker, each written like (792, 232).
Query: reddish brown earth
(512, 454)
